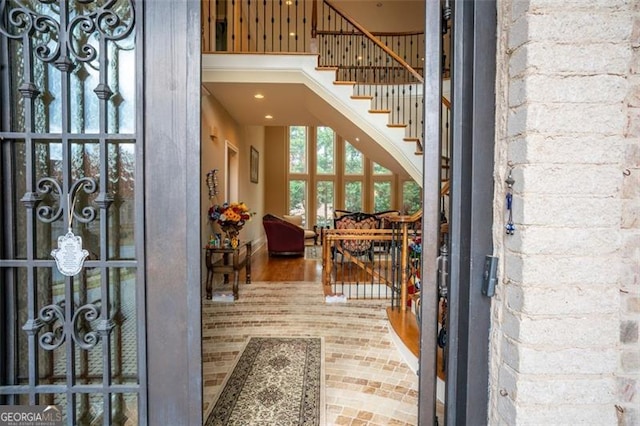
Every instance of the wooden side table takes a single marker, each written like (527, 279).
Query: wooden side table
(223, 266)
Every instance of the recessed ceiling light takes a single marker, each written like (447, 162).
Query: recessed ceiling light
(268, 116)
(288, 2)
(258, 96)
(357, 139)
(292, 34)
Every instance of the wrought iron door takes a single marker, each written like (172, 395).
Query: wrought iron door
(71, 163)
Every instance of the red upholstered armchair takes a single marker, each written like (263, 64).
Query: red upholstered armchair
(283, 237)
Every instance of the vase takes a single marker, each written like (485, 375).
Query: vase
(231, 233)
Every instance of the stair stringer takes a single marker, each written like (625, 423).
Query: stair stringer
(302, 69)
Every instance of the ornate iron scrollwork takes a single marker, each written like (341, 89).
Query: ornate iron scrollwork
(22, 21)
(78, 329)
(54, 316)
(49, 214)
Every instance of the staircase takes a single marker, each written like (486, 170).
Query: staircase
(361, 84)
(335, 101)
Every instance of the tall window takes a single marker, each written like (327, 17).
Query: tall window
(325, 151)
(353, 160)
(298, 197)
(382, 196)
(382, 188)
(325, 196)
(354, 178)
(411, 197)
(353, 196)
(298, 171)
(326, 173)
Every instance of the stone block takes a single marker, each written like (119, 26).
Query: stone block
(630, 360)
(583, 149)
(557, 391)
(574, 118)
(518, 32)
(581, 26)
(564, 241)
(570, 361)
(565, 414)
(544, 271)
(579, 179)
(517, 121)
(568, 211)
(567, 88)
(631, 185)
(571, 58)
(632, 154)
(629, 332)
(563, 300)
(563, 332)
(632, 127)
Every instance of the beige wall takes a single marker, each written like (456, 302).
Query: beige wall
(213, 157)
(276, 165)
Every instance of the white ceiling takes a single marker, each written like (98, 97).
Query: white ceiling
(288, 104)
(385, 15)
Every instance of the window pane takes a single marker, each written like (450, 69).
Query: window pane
(380, 170)
(411, 197)
(325, 151)
(297, 149)
(381, 196)
(353, 196)
(353, 160)
(298, 198)
(325, 201)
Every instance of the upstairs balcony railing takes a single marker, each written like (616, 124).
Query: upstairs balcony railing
(383, 67)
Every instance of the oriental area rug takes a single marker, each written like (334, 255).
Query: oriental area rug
(276, 381)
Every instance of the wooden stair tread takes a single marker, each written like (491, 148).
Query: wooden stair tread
(398, 125)
(345, 83)
(411, 139)
(379, 111)
(362, 97)
(405, 326)
(327, 68)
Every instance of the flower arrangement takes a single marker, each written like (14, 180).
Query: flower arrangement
(231, 217)
(415, 247)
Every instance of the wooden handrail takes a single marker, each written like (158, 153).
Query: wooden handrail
(377, 42)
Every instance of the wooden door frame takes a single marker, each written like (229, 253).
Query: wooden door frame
(172, 205)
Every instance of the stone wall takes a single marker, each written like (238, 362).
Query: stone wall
(564, 342)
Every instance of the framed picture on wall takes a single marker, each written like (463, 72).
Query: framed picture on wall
(253, 167)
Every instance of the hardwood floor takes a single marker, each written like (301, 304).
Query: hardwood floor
(284, 268)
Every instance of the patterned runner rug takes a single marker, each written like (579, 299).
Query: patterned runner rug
(276, 381)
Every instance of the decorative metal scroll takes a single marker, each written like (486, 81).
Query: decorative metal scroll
(78, 329)
(49, 214)
(55, 41)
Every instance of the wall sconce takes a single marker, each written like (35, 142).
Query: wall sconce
(213, 133)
